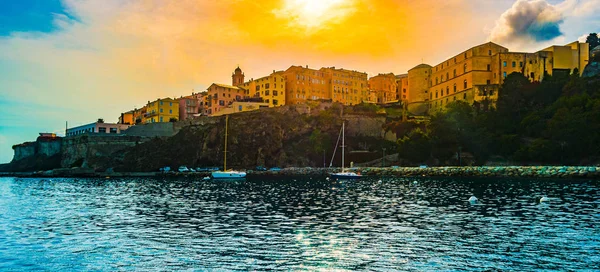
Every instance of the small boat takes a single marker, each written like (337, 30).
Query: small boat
(227, 174)
(344, 174)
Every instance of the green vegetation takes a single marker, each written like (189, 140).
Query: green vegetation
(552, 122)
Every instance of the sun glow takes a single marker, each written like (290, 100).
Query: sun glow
(314, 14)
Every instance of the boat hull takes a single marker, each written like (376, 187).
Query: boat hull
(346, 175)
(228, 175)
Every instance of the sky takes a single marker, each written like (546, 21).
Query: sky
(79, 60)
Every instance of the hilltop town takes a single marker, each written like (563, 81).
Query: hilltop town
(300, 107)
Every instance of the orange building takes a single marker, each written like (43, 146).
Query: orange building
(402, 87)
(270, 88)
(384, 86)
(220, 96)
(303, 83)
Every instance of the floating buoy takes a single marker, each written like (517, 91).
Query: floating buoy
(472, 199)
(327, 178)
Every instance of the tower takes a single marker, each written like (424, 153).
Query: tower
(237, 77)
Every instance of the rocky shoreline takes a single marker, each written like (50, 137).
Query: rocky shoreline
(592, 172)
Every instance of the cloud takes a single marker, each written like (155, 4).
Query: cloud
(527, 21)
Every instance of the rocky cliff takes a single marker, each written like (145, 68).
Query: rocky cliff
(286, 136)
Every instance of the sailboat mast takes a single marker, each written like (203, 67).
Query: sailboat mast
(343, 143)
(225, 153)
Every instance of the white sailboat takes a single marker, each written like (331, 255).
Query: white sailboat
(344, 174)
(227, 174)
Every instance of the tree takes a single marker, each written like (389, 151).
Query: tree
(100, 120)
(592, 40)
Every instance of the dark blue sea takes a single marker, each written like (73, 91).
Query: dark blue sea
(307, 224)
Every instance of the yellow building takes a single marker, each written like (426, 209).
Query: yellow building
(476, 75)
(238, 106)
(161, 110)
(419, 82)
(384, 86)
(570, 57)
(270, 88)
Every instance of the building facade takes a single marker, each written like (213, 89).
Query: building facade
(385, 87)
(241, 106)
(303, 84)
(348, 87)
(220, 96)
(161, 110)
(475, 75)
(97, 127)
(270, 88)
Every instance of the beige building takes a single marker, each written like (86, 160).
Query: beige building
(476, 74)
(384, 86)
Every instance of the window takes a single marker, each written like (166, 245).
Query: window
(102, 130)
(489, 52)
(465, 55)
(221, 103)
(436, 80)
(240, 107)
(465, 84)
(465, 68)
(520, 64)
(170, 104)
(504, 63)
(267, 92)
(171, 111)
(161, 110)
(404, 90)
(504, 74)
(436, 94)
(532, 75)
(454, 73)
(267, 85)
(447, 76)
(275, 93)
(454, 87)
(514, 64)
(161, 119)
(454, 98)
(489, 68)
(257, 87)
(275, 102)
(161, 103)
(447, 90)
(465, 96)
(487, 82)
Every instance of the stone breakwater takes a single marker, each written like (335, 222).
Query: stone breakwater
(465, 171)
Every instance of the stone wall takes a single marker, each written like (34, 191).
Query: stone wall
(363, 126)
(96, 151)
(152, 130)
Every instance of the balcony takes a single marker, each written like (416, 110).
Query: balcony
(150, 114)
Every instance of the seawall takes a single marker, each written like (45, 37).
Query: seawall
(566, 172)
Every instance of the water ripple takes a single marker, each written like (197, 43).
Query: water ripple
(298, 224)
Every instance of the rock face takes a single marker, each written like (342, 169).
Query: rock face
(272, 137)
(95, 151)
(43, 154)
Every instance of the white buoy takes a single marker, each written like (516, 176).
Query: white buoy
(327, 178)
(379, 181)
(472, 199)
(544, 199)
